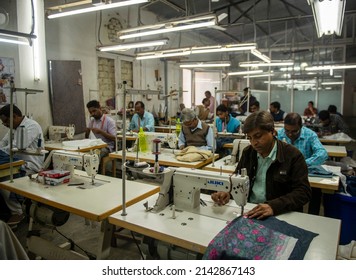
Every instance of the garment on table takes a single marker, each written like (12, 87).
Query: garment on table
(192, 154)
(107, 124)
(147, 121)
(319, 171)
(251, 239)
(308, 144)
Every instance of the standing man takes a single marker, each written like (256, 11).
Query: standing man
(102, 126)
(194, 132)
(247, 98)
(203, 111)
(308, 143)
(33, 163)
(276, 112)
(277, 171)
(213, 103)
(142, 119)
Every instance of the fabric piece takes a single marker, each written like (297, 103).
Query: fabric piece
(319, 171)
(5, 158)
(192, 154)
(251, 239)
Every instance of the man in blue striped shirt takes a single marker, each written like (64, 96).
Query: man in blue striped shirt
(309, 145)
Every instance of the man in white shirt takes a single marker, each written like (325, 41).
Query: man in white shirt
(33, 140)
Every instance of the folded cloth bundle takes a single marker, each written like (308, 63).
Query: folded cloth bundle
(191, 154)
(319, 171)
(251, 239)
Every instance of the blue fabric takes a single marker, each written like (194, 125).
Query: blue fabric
(319, 171)
(226, 245)
(308, 144)
(5, 158)
(351, 185)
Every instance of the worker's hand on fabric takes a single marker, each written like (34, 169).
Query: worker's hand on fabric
(261, 211)
(220, 198)
(181, 147)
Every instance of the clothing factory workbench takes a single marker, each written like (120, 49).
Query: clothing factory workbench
(91, 202)
(194, 231)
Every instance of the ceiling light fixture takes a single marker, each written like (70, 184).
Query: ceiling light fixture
(265, 64)
(328, 16)
(240, 73)
(205, 64)
(134, 45)
(94, 8)
(170, 26)
(195, 50)
(330, 67)
(260, 55)
(224, 48)
(259, 76)
(331, 83)
(163, 53)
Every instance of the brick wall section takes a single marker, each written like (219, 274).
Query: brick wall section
(106, 79)
(127, 73)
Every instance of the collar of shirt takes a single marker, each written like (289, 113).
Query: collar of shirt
(199, 125)
(272, 155)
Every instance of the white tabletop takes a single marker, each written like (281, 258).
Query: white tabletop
(194, 231)
(84, 145)
(166, 158)
(335, 151)
(94, 202)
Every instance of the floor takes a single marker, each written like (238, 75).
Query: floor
(86, 235)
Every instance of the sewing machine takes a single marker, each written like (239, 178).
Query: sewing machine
(67, 160)
(187, 184)
(238, 146)
(170, 138)
(55, 132)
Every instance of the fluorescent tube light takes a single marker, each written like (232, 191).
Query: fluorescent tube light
(331, 83)
(265, 64)
(172, 26)
(133, 45)
(225, 48)
(259, 76)
(330, 67)
(163, 53)
(244, 72)
(260, 55)
(205, 64)
(95, 8)
(328, 16)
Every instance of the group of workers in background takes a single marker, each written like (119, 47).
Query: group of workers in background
(276, 162)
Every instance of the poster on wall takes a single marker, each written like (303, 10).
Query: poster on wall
(7, 74)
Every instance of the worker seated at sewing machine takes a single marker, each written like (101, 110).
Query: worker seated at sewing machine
(278, 172)
(55, 133)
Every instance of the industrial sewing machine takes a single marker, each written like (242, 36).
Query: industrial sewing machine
(180, 192)
(67, 160)
(55, 132)
(170, 138)
(238, 146)
(187, 184)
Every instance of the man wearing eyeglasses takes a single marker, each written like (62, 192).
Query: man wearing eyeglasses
(194, 132)
(309, 145)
